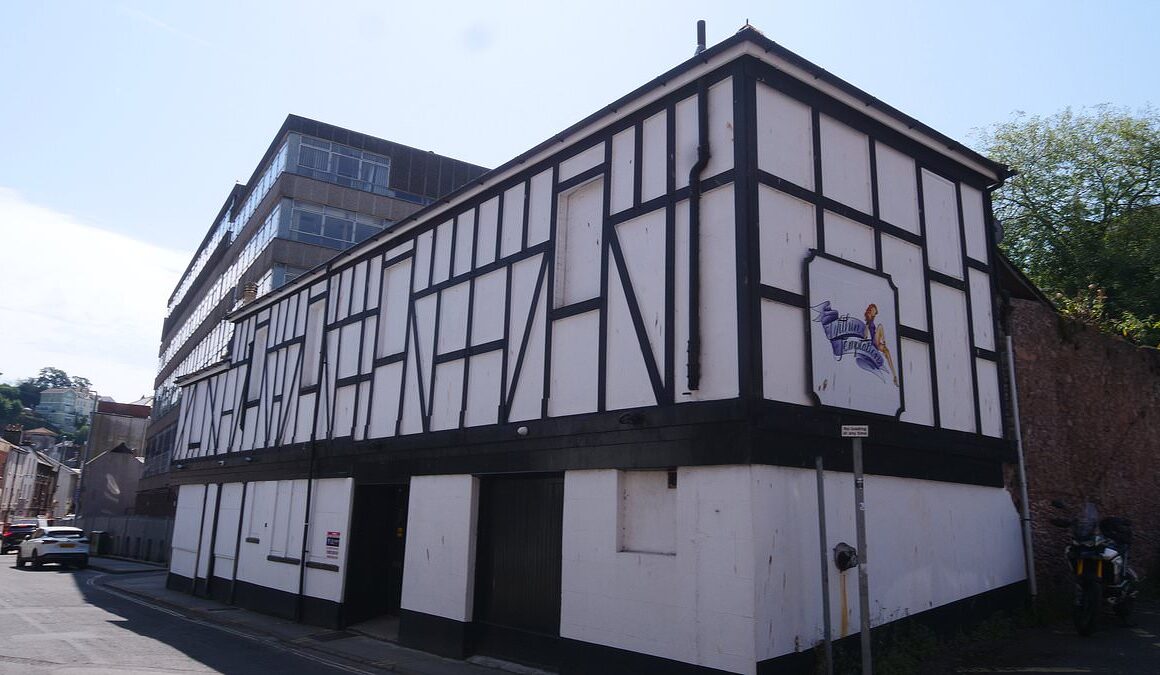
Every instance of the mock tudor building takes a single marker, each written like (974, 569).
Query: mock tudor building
(570, 415)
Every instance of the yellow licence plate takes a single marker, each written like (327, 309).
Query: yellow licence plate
(67, 545)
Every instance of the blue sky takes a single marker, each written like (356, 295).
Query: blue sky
(130, 121)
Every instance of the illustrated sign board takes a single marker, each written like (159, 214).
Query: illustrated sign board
(854, 353)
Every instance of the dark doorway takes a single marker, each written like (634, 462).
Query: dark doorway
(517, 565)
(374, 570)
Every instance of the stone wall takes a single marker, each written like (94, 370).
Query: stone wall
(1090, 408)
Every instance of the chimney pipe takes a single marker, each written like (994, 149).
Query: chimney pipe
(249, 293)
(700, 37)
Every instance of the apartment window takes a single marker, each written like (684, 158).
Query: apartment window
(344, 165)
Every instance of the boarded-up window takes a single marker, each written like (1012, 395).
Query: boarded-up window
(579, 220)
(648, 512)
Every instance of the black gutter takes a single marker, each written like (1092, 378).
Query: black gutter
(703, 155)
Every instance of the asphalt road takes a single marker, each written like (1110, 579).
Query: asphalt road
(63, 622)
(1115, 647)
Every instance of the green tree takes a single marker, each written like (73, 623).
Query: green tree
(50, 377)
(1082, 217)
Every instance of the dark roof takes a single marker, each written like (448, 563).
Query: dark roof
(122, 448)
(1012, 280)
(123, 409)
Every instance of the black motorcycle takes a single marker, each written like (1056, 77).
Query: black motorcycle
(1098, 559)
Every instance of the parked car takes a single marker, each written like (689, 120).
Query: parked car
(64, 545)
(15, 532)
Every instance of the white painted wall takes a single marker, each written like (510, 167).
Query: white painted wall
(439, 576)
(956, 392)
(845, 164)
(940, 206)
(695, 606)
(929, 544)
(785, 137)
(187, 530)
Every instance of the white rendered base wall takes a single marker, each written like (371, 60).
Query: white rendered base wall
(744, 583)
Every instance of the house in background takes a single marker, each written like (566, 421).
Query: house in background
(587, 393)
(317, 190)
(66, 408)
(39, 438)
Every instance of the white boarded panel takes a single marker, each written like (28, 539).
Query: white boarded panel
(940, 206)
(441, 263)
(654, 157)
(642, 240)
(525, 274)
(685, 119)
(575, 359)
(374, 279)
(529, 388)
(488, 314)
(917, 395)
(464, 233)
(623, 170)
(783, 349)
(903, 262)
(718, 298)
(981, 322)
(448, 395)
(956, 391)
(974, 223)
(348, 345)
(627, 383)
(581, 162)
(423, 342)
(990, 415)
(488, 230)
(385, 399)
(302, 426)
(422, 259)
(340, 295)
(578, 236)
(788, 230)
(511, 234)
(343, 411)
(483, 383)
(412, 416)
(358, 289)
(785, 137)
(453, 318)
(362, 409)
(845, 164)
(540, 208)
(897, 188)
(300, 318)
(396, 294)
(368, 353)
(849, 240)
(720, 128)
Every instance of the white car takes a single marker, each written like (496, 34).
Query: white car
(64, 545)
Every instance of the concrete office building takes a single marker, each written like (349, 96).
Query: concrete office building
(317, 190)
(570, 415)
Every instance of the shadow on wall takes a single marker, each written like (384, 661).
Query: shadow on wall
(139, 537)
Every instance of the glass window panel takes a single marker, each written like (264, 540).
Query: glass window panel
(336, 228)
(313, 158)
(308, 222)
(362, 232)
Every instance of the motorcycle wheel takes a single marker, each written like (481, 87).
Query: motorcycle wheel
(1088, 608)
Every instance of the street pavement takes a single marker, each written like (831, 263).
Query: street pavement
(117, 617)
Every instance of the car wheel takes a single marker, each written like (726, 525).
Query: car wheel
(36, 560)
(19, 561)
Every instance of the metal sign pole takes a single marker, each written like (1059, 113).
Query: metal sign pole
(828, 638)
(863, 581)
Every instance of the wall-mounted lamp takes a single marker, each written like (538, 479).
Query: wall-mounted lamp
(522, 431)
(249, 459)
(221, 462)
(633, 418)
(179, 467)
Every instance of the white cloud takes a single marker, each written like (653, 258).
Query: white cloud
(82, 299)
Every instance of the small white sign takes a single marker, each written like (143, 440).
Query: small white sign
(855, 431)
